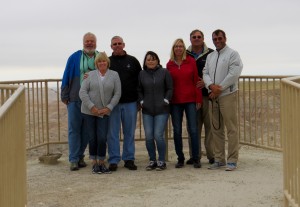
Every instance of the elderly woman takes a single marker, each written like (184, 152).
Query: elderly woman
(186, 98)
(100, 93)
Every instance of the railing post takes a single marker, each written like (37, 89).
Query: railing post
(47, 117)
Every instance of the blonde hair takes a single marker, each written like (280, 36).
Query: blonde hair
(172, 56)
(102, 57)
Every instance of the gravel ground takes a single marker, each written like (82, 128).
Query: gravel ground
(258, 181)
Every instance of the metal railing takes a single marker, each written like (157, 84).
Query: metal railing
(13, 184)
(259, 113)
(262, 102)
(46, 118)
(290, 134)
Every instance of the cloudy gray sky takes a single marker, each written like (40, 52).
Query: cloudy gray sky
(38, 35)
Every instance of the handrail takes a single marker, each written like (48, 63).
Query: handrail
(290, 135)
(17, 90)
(259, 105)
(13, 185)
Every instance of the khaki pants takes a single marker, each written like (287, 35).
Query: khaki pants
(223, 113)
(203, 119)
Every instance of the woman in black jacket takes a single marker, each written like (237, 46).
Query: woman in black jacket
(155, 91)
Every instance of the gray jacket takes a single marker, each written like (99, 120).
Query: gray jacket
(223, 68)
(100, 93)
(155, 90)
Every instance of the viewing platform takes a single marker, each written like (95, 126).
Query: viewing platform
(33, 122)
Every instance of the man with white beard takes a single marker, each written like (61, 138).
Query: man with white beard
(78, 64)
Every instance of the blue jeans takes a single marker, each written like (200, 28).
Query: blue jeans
(125, 113)
(77, 134)
(154, 127)
(97, 131)
(191, 117)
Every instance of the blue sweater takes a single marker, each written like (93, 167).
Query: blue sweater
(71, 79)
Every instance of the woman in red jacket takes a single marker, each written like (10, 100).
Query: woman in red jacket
(186, 98)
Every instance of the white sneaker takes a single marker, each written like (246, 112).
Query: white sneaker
(231, 166)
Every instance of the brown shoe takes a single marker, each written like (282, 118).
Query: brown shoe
(113, 167)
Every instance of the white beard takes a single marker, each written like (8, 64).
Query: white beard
(89, 51)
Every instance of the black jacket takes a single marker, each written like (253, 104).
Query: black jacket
(200, 61)
(128, 68)
(154, 86)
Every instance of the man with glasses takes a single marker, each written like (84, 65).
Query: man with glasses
(79, 63)
(221, 74)
(200, 51)
(125, 113)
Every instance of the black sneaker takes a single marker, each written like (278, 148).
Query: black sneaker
(190, 161)
(113, 167)
(211, 160)
(104, 170)
(161, 165)
(179, 164)
(96, 169)
(81, 163)
(197, 164)
(130, 165)
(151, 166)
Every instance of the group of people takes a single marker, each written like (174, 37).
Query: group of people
(103, 95)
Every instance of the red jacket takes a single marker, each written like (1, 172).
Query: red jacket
(185, 77)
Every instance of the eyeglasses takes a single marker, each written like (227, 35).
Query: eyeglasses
(217, 38)
(117, 43)
(196, 37)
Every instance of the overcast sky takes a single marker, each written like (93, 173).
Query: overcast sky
(43, 34)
